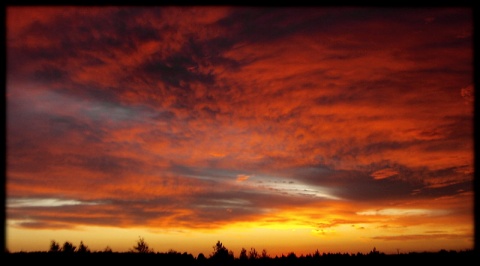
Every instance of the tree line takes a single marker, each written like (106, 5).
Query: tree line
(222, 256)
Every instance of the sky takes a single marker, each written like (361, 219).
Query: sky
(294, 129)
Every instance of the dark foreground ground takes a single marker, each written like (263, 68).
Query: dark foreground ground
(178, 259)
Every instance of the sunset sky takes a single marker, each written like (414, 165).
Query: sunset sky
(287, 129)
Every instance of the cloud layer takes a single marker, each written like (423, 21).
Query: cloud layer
(199, 117)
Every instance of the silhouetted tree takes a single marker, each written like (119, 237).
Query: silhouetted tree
(291, 255)
(142, 246)
(201, 257)
(54, 246)
(219, 250)
(264, 254)
(375, 252)
(107, 250)
(252, 254)
(68, 247)
(243, 254)
(82, 248)
(221, 253)
(173, 252)
(201, 260)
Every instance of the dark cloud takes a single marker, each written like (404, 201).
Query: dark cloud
(404, 182)
(175, 70)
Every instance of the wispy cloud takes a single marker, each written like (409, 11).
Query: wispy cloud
(241, 178)
(39, 202)
(384, 173)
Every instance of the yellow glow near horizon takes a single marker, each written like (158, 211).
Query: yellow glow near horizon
(277, 240)
(292, 232)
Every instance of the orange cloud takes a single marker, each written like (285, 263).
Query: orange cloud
(241, 178)
(384, 173)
